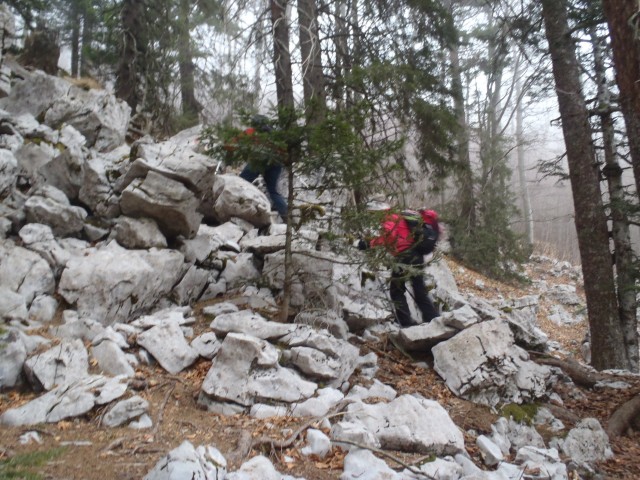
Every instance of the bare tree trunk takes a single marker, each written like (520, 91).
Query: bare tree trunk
(527, 211)
(75, 39)
(342, 53)
(522, 174)
(282, 55)
(312, 75)
(87, 39)
(286, 106)
(623, 252)
(130, 74)
(591, 224)
(623, 18)
(465, 177)
(190, 106)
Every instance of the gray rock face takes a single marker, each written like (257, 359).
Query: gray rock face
(361, 464)
(177, 160)
(140, 233)
(168, 202)
(111, 359)
(8, 171)
(251, 323)
(125, 410)
(409, 424)
(12, 305)
(235, 197)
(97, 191)
(24, 272)
(50, 206)
(483, 364)
(32, 158)
(206, 345)
(113, 284)
(258, 468)
(318, 354)
(12, 356)
(41, 239)
(60, 365)
(65, 171)
(246, 371)
(587, 443)
(424, 336)
(542, 460)
(187, 462)
(66, 401)
(34, 93)
(168, 346)
(98, 115)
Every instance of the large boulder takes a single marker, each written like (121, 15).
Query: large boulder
(483, 364)
(50, 206)
(246, 370)
(112, 284)
(168, 202)
(24, 272)
(235, 197)
(176, 160)
(97, 114)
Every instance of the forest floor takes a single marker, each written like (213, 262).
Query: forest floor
(83, 449)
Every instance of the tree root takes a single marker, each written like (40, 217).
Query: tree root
(383, 453)
(156, 427)
(562, 413)
(623, 418)
(246, 443)
(579, 374)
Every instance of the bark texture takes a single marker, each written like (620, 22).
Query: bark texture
(623, 18)
(131, 69)
(312, 76)
(591, 224)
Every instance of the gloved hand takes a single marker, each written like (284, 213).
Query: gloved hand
(362, 245)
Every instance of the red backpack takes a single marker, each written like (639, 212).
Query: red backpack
(424, 229)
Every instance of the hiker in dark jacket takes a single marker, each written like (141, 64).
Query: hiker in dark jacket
(397, 239)
(266, 164)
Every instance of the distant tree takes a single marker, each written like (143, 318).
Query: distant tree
(482, 208)
(29, 10)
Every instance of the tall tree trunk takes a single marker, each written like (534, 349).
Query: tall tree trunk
(75, 39)
(312, 74)
(465, 176)
(88, 21)
(286, 111)
(190, 105)
(591, 224)
(527, 213)
(623, 252)
(131, 70)
(341, 46)
(623, 17)
(282, 56)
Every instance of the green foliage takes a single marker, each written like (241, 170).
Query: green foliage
(29, 10)
(492, 249)
(520, 413)
(489, 246)
(22, 466)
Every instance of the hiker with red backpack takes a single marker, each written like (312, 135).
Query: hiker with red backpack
(408, 236)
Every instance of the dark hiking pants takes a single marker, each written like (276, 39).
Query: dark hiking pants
(409, 269)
